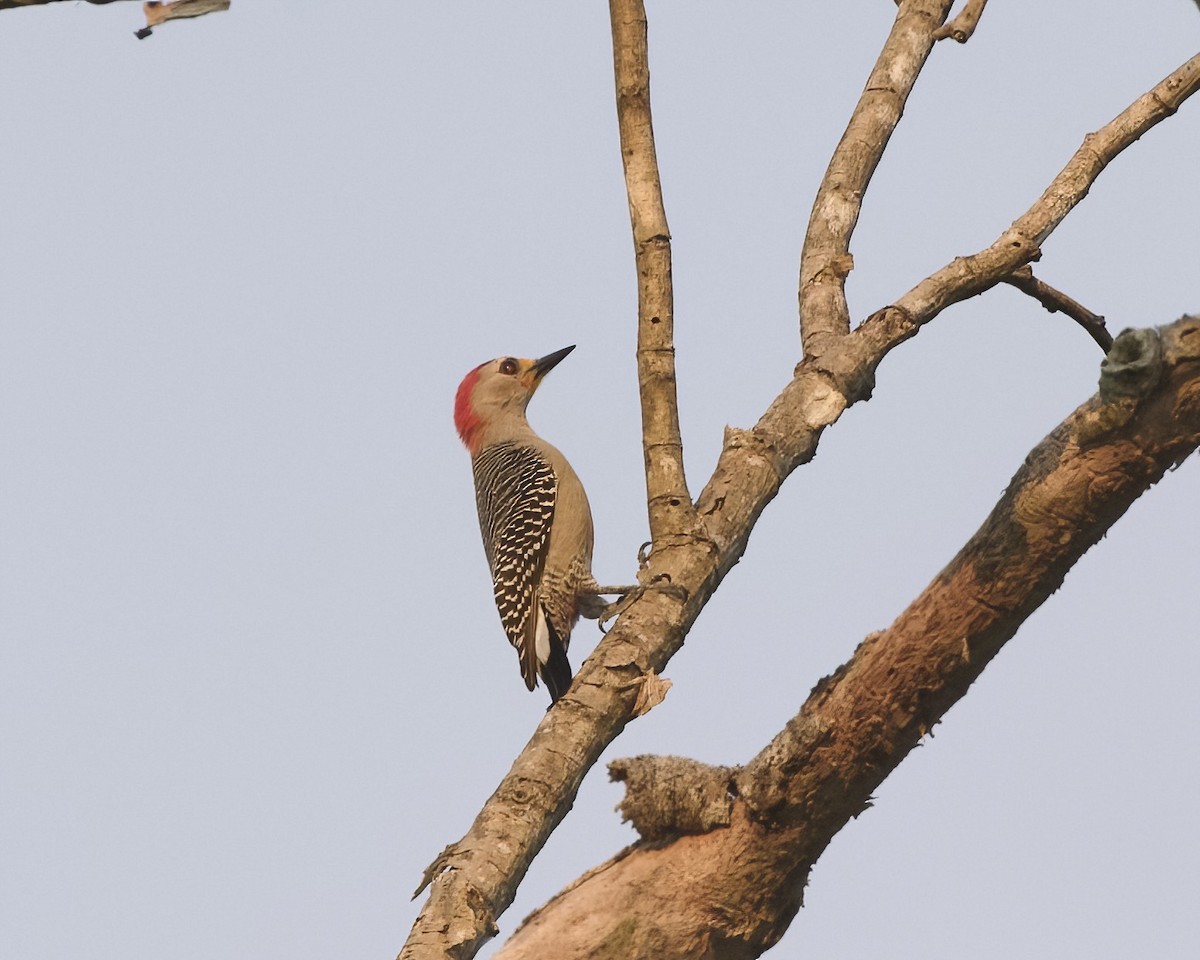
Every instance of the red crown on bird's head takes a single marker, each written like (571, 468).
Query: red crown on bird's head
(466, 421)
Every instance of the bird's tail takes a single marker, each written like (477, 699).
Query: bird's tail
(556, 671)
(544, 654)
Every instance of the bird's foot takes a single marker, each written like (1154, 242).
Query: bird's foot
(627, 596)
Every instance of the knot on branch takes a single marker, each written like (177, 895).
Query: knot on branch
(1133, 366)
(667, 796)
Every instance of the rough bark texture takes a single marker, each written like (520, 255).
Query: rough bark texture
(668, 796)
(744, 881)
(475, 879)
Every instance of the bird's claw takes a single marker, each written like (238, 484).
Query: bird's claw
(644, 554)
(661, 581)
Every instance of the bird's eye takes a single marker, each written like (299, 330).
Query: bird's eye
(508, 366)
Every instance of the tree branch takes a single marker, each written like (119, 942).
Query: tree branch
(475, 879)
(825, 259)
(963, 25)
(1056, 301)
(745, 881)
(668, 501)
(1021, 243)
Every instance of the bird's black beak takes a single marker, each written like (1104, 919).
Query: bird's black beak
(545, 364)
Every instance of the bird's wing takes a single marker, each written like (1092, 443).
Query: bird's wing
(515, 491)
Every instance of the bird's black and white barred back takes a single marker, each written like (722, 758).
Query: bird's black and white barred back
(515, 494)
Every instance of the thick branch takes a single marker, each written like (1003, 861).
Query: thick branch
(1055, 301)
(745, 881)
(669, 503)
(825, 259)
(474, 881)
(964, 23)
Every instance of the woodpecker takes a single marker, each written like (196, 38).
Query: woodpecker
(534, 516)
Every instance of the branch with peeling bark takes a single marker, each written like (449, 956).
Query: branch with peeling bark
(475, 879)
(746, 851)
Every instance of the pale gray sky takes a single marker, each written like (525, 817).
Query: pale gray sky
(251, 676)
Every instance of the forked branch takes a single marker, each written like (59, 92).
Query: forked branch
(746, 852)
(825, 259)
(1021, 243)
(475, 879)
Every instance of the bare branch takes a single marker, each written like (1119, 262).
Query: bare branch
(754, 463)
(475, 879)
(1021, 243)
(746, 873)
(668, 500)
(825, 259)
(964, 23)
(1056, 301)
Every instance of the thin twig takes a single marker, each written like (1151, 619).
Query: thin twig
(825, 259)
(964, 23)
(1056, 301)
(668, 501)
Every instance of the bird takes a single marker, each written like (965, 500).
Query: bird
(534, 517)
